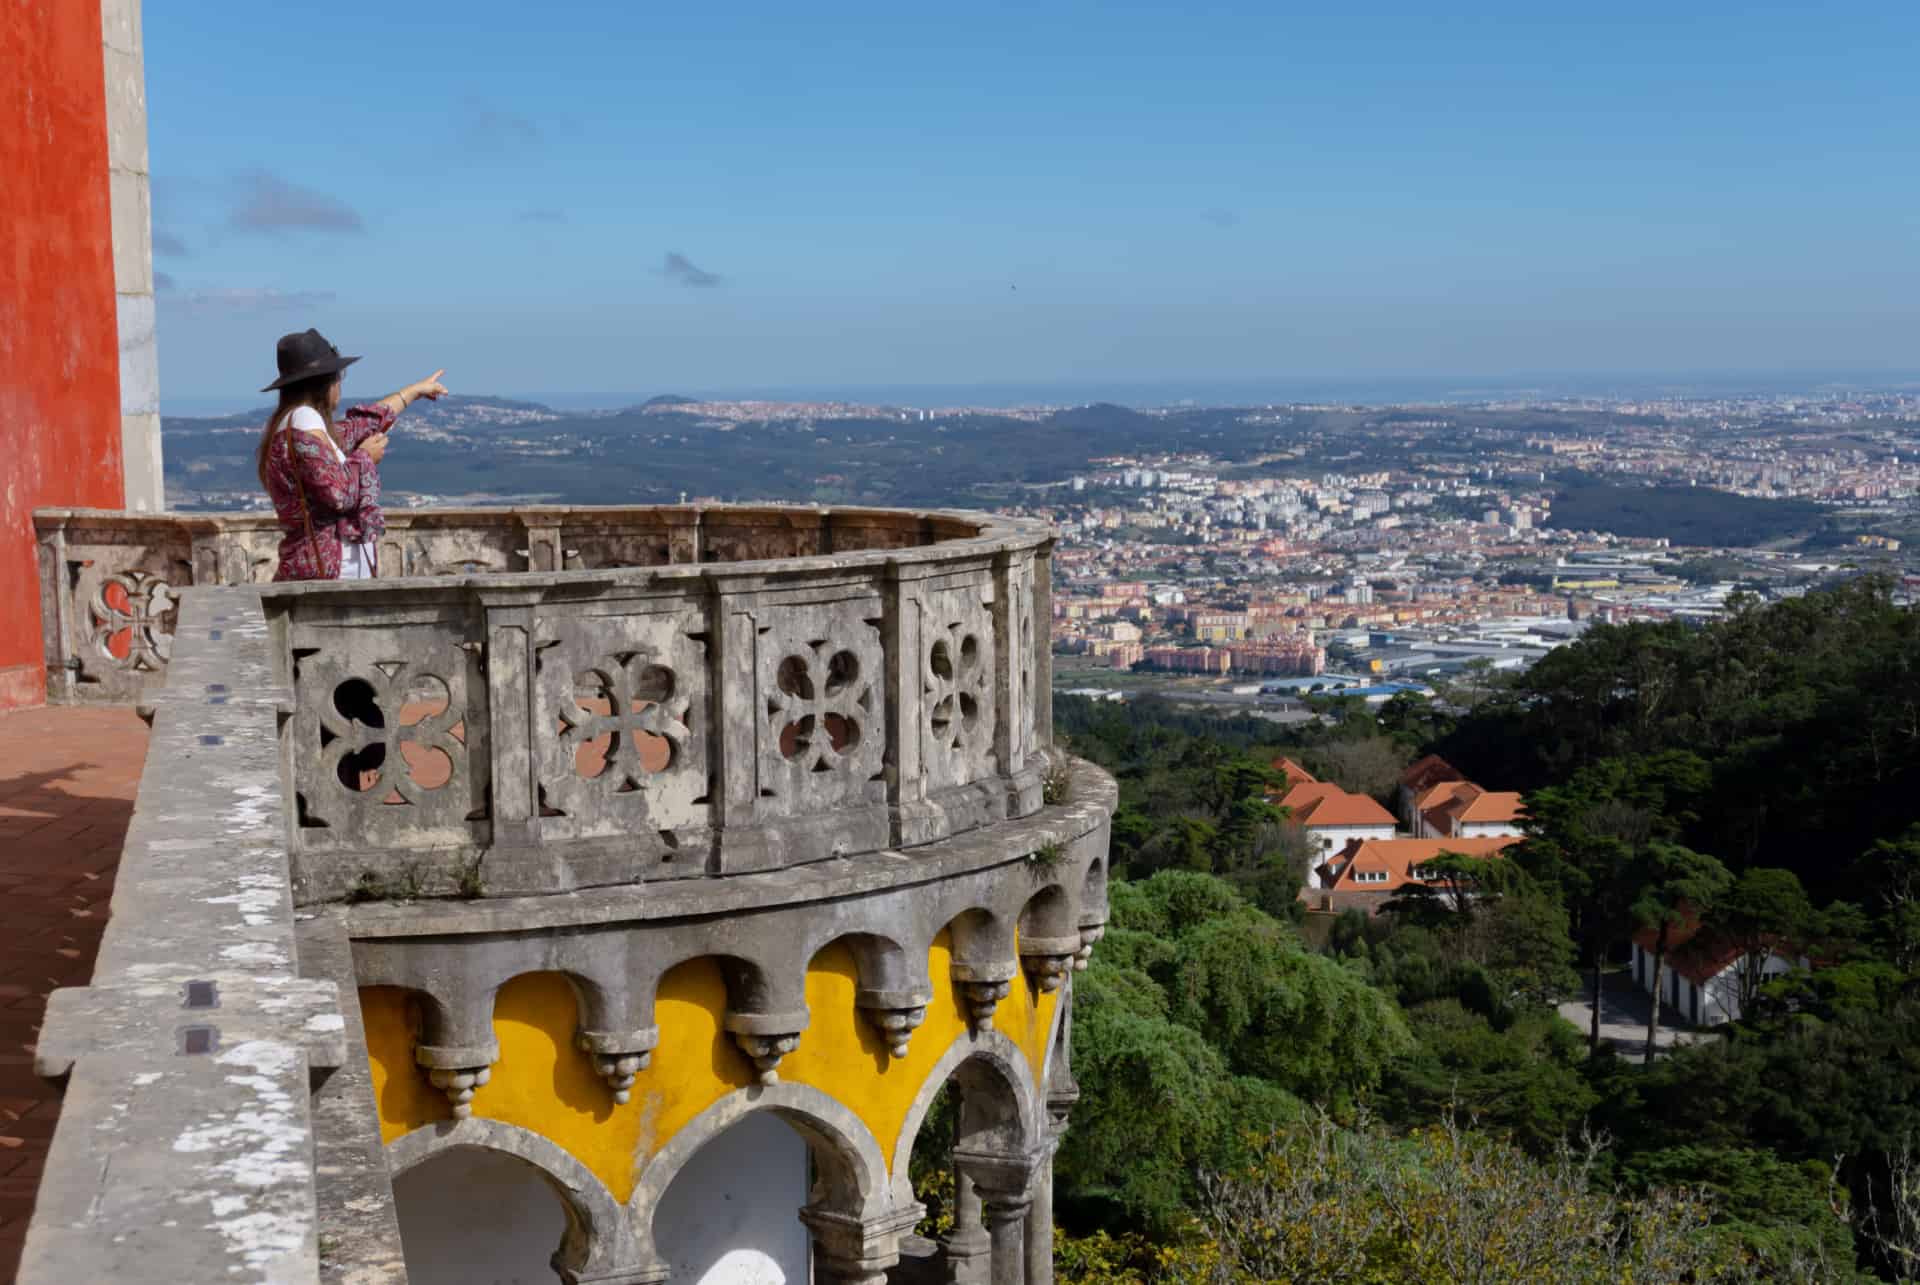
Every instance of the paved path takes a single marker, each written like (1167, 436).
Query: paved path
(1624, 1010)
(67, 781)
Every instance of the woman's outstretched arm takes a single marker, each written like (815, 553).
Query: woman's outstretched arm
(430, 388)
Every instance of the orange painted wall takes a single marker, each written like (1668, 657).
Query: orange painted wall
(59, 342)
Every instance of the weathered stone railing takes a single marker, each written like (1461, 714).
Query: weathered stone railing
(110, 580)
(510, 734)
(187, 1144)
(220, 1120)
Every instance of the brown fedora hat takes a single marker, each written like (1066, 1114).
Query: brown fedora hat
(306, 355)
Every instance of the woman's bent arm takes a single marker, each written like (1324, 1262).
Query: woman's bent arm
(329, 484)
(362, 422)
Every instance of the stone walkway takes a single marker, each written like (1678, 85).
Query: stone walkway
(67, 782)
(1623, 1016)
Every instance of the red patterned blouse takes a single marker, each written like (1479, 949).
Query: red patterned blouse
(342, 497)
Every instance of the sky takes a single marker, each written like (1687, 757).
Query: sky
(580, 197)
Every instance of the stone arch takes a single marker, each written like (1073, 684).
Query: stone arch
(850, 1174)
(999, 1073)
(598, 1236)
(981, 936)
(1049, 937)
(1093, 892)
(1049, 912)
(891, 985)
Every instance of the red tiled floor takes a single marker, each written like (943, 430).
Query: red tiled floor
(67, 781)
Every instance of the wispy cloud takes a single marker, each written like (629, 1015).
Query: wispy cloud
(681, 271)
(239, 301)
(162, 283)
(268, 205)
(1220, 218)
(496, 129)
(542, 216)
(165, 242)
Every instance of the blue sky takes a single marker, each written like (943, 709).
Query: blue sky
(649, 198)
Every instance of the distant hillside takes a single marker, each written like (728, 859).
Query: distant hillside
(1684, 514)
(466, 446)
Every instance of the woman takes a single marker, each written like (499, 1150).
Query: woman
(322, 476)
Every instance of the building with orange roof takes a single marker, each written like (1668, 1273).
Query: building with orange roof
(1701, 977)
(1461, 809)
(1334, 818)
(1420, 777)
(1367, 873)
(1292, 773)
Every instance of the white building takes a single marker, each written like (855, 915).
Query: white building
(1701, 978)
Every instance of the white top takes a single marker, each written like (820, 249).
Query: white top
(356, 560)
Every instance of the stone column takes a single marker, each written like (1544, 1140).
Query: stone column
(133, 281)
(1005, 1183)
(967, 1246)
(1040, 1227)
(1005, 1213)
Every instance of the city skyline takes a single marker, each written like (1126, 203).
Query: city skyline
(679, 202)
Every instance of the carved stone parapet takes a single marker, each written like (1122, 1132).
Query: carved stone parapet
(458, 1070)
(1048, 960)
(766, 1038)
(619, 1056)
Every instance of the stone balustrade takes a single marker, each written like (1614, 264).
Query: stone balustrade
(110, 580)
(883, 682)
(222, 1118)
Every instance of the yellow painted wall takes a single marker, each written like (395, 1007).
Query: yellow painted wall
(543, 1084)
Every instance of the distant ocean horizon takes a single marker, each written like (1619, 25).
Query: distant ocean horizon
(1376, 390)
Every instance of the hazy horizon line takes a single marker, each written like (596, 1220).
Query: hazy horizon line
(1382, 389)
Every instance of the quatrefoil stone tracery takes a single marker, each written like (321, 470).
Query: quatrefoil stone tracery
(817, 709)
(138, 605)
(958, 687)
(631, 679)
(391, 682)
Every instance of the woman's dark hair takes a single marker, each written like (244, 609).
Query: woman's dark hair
(315, 392)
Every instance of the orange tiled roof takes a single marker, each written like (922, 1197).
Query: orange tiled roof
(1389, 861)
(1428, 770)
(1326, 805)
(1493, 805)
(1441, 793)
(1696, 954)
(1293, 772)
